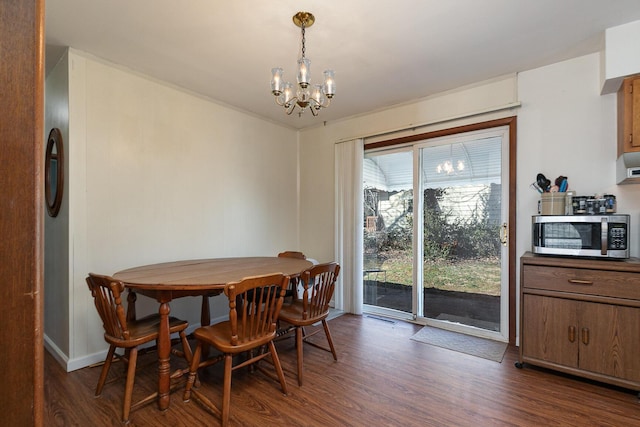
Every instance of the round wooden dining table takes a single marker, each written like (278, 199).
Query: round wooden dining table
(207, 277)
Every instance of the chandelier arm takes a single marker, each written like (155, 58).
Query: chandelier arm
(291, 106)
(318, 105)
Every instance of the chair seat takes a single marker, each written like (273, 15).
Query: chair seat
(292, 314)
(145, 330)
(219, 335)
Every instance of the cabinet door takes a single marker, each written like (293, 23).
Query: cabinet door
(635, 113)
(610, 340)
(550, 329)
(629, 115)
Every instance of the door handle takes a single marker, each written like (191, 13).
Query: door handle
(572, 333)
(504, 234)
(580, 282)
(585, 336)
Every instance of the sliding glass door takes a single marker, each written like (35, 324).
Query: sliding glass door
(388, 235)
(435, 215)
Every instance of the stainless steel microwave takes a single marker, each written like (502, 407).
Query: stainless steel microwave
(603, 236)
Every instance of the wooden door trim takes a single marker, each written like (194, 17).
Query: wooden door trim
(21, 220)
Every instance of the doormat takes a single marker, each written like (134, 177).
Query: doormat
(475, 346)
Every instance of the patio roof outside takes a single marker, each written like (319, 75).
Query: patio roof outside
(476, 162)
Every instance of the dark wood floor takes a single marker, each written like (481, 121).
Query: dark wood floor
(382, 378)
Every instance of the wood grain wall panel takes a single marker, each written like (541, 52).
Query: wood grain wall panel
(21, 220)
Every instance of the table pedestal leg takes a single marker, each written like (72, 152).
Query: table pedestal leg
(164, 353)
(205, 320)
(205, 317)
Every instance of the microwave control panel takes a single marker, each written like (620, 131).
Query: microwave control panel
(617, 236)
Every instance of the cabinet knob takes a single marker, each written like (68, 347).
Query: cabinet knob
(572, 333)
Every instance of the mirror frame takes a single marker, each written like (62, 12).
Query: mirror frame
(54, 164)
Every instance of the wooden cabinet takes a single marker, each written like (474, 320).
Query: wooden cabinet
(582, 317)
(629, 115)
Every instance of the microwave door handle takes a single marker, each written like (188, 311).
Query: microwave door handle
(604, 233)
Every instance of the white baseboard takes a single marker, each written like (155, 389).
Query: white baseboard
(72, 364)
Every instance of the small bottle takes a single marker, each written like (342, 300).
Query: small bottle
(568, 202)
(610, 203)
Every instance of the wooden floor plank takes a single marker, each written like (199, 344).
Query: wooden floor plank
(381, 378)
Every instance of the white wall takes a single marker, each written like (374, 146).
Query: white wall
(56, 243)
(565, 127)
(621, 55)
(158, 174)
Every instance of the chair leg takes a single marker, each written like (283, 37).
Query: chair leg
(328, 334)
(299, 333)
(226, 389)
(125, 359)
(193, 370)
(105, 370)
(128, 391)
(278, 366)
(186, 348)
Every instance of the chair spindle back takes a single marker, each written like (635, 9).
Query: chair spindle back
(257, 316)
(319, 285)
(107, 296)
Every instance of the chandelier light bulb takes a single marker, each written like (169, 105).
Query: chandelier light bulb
(329, 83)
(317, 95)
(288, 94)
(276, 81)
(304, 72)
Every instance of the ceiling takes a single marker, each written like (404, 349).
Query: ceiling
(383, 54)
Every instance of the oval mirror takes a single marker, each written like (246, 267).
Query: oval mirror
(54, 172)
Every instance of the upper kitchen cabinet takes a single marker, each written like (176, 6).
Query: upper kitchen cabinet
(628, 163)
(629, 115)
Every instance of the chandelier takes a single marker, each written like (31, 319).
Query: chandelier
(315, 97)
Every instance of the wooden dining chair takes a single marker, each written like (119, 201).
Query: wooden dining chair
(319, 285)
(122, 331)
(292, 290)
(250, 327)
(292, 254)
(290, 293)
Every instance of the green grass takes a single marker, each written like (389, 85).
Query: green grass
(476, 276)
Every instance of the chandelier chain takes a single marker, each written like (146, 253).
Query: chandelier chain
(304, 49)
